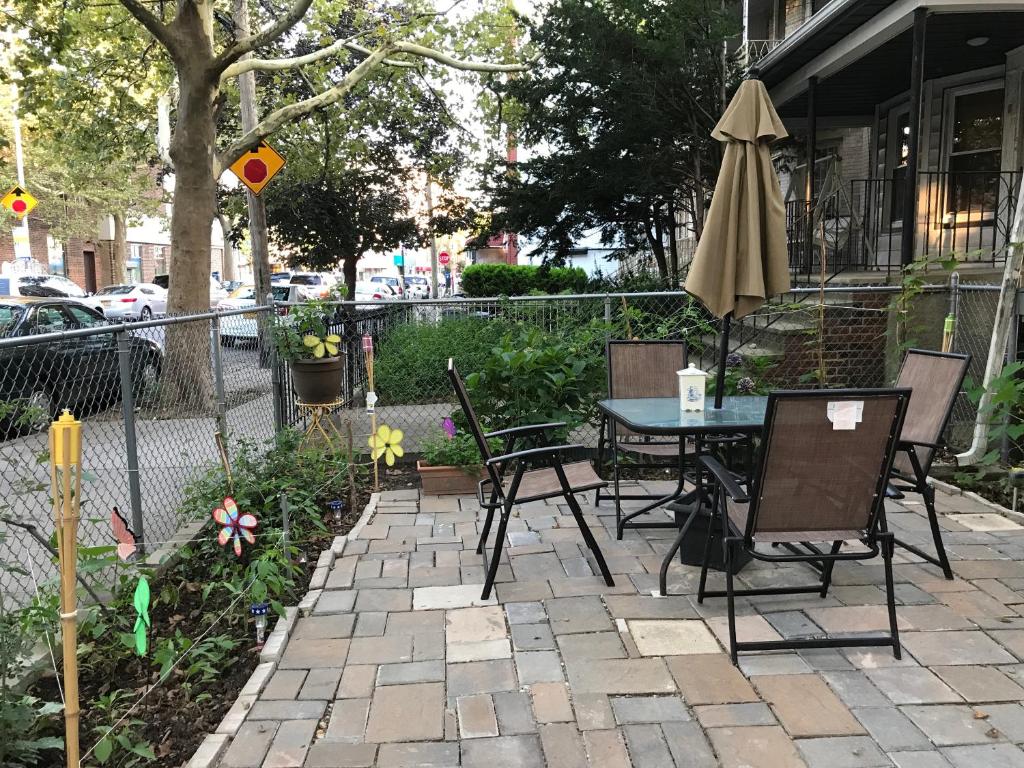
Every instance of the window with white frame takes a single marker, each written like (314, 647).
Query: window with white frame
(974, 130)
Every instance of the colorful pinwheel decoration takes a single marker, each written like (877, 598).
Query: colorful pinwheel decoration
(448, 425)
(142, 624)
(386, 442)
(236, 525)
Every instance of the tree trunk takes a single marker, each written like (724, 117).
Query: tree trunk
(186, 379)
(119, 251)
(230, 259)
(673, 246)
(348, 269)
(657, 246)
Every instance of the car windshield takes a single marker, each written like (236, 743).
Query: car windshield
(162, 280)
(306, 280)
(281, 292)
(40, 290)
(115, 289)
(10, 316)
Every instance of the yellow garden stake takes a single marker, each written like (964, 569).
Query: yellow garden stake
(65, 458)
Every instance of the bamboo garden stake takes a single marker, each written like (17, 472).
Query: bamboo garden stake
(65, 489)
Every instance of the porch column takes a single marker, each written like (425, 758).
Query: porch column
(913, 141)
(812, 150)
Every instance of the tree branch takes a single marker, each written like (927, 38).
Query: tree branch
(268, 34)
(276, 65)
(450, 61)
(156, 28)
(287, 114)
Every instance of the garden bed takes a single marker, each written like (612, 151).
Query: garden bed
(155, 709)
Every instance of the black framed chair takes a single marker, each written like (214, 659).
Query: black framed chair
(936, 379)
(518, 477)
(639, 369)
(813, 482)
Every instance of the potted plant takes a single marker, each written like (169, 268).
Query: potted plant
(450, 462)
(303, 339)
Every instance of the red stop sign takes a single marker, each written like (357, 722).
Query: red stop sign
(443, 257)
(255, 170)
(19, 206)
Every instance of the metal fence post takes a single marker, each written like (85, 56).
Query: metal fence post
(218, 377)
(131, 447)
(954, 307)
(275, 369)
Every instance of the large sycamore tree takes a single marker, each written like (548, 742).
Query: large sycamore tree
(206, 54)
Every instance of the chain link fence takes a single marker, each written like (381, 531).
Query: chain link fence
(153, 396)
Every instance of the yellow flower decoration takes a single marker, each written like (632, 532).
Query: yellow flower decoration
(329, 344)
(387, 443)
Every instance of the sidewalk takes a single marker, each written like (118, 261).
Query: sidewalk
(399, 663)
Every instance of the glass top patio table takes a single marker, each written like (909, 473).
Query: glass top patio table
(661, 415)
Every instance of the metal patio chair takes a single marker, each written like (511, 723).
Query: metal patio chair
(518, 477)
(936, 379)
(813, 482)
(638, 369)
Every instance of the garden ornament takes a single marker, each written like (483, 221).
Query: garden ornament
(236, 526)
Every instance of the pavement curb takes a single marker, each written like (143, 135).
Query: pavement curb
(998, 509)
(215, 744)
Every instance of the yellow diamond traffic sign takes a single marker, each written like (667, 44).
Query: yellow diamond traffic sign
(19, 201)
(258, 166)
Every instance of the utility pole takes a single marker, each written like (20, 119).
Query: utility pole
(433, 238)
(257, 210)
(19, 234)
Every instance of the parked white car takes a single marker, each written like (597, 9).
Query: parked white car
(217, 292)
(46, 286)
(417, 287)
(239, 328)
(133, 302)
(368, 290)
(313, 285)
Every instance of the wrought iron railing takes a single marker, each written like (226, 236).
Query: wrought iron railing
(860, 227)
(752, 51)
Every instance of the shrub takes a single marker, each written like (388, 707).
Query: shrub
(410, 364)
(534, 377)
(486, 280)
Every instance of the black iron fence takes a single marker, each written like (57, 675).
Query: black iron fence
(860, 226)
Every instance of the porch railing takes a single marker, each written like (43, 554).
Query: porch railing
(860, 228)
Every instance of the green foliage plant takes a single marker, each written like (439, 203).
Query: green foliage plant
(460, 451)
(489, 280)
(533, 377)
(745, 375)
(305, 331)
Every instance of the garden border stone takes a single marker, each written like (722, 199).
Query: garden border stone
(999, 509)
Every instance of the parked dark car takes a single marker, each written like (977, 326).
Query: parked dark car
(38, 380)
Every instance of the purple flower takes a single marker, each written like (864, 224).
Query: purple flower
(745, 385)
(733, 359)
(448, 425)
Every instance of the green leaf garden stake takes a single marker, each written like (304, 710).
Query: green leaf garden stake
(141, 602)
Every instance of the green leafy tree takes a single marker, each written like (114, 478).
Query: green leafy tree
(618, 112)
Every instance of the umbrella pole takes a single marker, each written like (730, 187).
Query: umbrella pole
(722, 354)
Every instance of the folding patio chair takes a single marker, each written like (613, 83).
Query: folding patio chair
(936, 379)
(539, 473)
(820, 477)
(638, 369)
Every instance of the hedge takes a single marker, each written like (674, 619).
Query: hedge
(484, 280)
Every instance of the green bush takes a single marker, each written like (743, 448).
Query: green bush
(533, 377)
(486, 280)
(410, 364)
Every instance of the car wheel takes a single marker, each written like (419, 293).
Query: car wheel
(147, 314)
(147, 380)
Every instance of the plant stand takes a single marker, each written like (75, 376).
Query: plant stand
(320, 423)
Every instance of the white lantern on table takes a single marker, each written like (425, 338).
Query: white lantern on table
(692, 383)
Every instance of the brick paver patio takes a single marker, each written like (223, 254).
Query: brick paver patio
(399, 663)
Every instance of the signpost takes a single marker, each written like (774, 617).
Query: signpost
(258, 166)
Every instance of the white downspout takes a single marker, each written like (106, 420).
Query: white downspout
(1005, 311)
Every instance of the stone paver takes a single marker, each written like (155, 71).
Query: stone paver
(400, 663)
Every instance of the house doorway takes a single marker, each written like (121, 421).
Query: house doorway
(89, 262)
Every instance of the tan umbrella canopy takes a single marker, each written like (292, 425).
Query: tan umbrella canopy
(741, 259)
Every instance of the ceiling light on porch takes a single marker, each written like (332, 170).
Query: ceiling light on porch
(977, 42)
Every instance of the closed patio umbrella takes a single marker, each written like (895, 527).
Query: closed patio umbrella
(741, 259)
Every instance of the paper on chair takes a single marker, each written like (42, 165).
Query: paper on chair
(845, 414)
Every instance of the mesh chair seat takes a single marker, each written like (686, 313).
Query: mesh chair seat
(738, 518)
(542, 483)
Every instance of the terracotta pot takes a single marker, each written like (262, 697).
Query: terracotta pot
(446, 481)
(317, 381)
